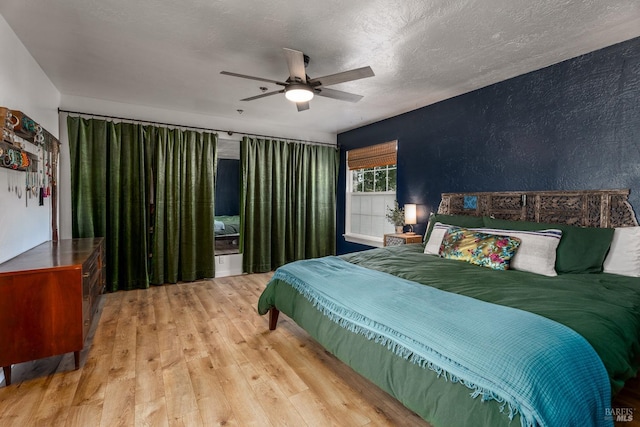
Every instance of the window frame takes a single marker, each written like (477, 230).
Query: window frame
(365, 239)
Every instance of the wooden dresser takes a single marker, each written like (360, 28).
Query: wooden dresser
(48, 298)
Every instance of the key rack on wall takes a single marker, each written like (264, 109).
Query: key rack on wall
(28, 147)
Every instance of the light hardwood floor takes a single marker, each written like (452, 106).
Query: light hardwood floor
(198, 354)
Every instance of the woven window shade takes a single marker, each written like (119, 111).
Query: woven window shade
(374, 155)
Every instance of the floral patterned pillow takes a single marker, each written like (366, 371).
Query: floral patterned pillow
(486, 250)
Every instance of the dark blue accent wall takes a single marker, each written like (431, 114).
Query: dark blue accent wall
(228, 187)
(571, 126)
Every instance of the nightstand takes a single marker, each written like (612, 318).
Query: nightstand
(397, 239)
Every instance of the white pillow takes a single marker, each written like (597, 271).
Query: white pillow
(435, 238)
(624, 255)
(537, 251)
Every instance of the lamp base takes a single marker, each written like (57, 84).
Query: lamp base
(409, 232)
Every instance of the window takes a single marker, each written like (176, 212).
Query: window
(371, 188)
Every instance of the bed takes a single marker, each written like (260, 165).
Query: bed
(495, 324)
(227, 233)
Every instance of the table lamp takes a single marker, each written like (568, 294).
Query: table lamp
(410, 216)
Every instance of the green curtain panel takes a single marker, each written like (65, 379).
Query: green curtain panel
(288, 202)
(128, 179)
(184, 237)
(109, 195)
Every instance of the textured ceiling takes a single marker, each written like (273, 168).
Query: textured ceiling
(169, 54)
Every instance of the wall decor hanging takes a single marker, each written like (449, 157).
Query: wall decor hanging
(13, 157)
(28, 147)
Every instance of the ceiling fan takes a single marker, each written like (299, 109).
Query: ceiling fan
(299, 88)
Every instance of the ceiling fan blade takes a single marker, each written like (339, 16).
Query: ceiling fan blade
(338, 94)
(302, 105)
(262, 95)
(260, 79)
(345, 76)
(295, 62)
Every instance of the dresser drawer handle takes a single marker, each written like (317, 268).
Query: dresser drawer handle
(85, 275)
(86, 322)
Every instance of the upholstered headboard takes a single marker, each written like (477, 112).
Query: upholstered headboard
(589, 208)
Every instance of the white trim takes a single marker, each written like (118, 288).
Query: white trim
(228, 265)
(372, 193)
(362, 239)
(347, 206)
(365, 239)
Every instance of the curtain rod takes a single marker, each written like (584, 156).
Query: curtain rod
(229, 132)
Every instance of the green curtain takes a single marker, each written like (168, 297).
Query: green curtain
(109, 195)
(288, 202)
(183, 240)
(128, 179)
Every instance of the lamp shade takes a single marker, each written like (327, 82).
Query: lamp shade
(410, 214)
(298, 93)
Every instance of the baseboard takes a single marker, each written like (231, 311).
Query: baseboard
(228, 265)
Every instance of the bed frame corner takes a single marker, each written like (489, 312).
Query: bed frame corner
(273, 318)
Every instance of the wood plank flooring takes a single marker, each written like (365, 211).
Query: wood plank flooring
(199, 355)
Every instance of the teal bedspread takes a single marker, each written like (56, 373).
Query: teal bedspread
(604, 309)
(550, 374)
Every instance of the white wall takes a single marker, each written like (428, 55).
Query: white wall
(153, 114)
(24, 87)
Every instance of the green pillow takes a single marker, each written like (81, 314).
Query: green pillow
(581, 249)
(465, 221)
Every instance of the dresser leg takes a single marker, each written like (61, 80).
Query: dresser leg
(7, 375)
(76, 358)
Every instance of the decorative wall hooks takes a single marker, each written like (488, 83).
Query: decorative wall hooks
(8, 122)
(26, 146)
(28, 129)
(13, 157)
(16, 123)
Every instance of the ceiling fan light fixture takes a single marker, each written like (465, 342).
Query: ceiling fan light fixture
(298, 93)
(300, 89)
